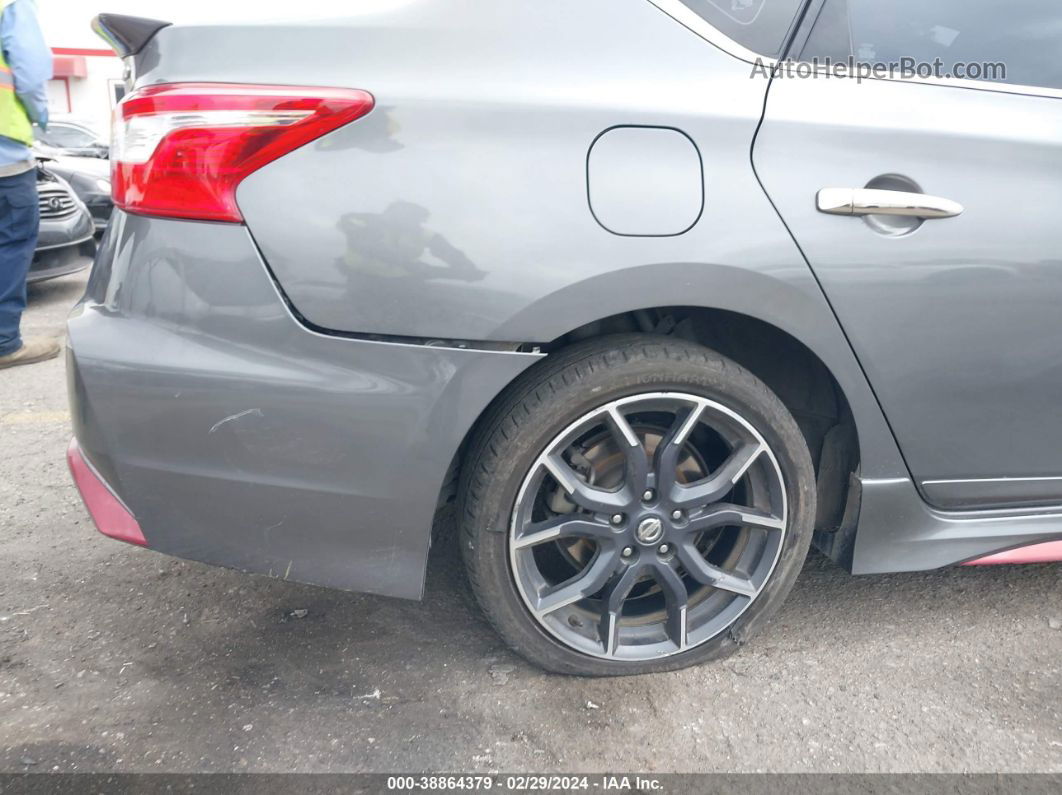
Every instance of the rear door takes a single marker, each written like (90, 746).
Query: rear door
(957, 320)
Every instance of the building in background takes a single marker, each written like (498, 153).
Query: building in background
(88, 75)
(87, 85)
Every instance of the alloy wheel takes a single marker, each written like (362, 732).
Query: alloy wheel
(648, 526)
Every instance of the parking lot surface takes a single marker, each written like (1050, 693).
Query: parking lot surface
(114, 658)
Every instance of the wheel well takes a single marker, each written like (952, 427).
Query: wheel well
(791, 370)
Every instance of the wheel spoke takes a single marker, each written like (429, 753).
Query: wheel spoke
(564, 526)
(636, 477)
(725, 514)
(676, 598)
(612, 606)
(670, 448)
(584, 584)
(717, 485)
(582, 493)
(704, 572)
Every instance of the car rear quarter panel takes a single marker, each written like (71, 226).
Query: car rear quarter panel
(458, 208)
(460, 202)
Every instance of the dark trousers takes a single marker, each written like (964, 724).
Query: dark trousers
(19, 222)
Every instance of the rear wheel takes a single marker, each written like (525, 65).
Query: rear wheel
(637, 504)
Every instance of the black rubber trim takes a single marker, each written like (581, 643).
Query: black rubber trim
(127, 35)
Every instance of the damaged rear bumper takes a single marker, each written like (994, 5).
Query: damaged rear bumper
(236, 436)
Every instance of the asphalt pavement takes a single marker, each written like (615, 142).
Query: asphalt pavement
(114, 658)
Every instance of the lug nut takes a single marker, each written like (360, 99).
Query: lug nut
(628, 551)
(617, 518)
(664, 549)
(676, 515)
(648, 496)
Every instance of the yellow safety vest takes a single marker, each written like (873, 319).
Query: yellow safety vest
(14, 121)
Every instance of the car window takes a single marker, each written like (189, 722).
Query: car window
(66, 136)
(759, 25)
(988, 40)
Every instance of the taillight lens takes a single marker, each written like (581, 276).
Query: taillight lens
(181, 149)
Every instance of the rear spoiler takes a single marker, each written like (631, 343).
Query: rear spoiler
(127, 35)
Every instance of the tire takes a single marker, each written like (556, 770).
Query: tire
(627, 383)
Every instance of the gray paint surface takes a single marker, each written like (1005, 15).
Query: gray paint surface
(458, 209)
(498, 186)
(957, 325)
(899, 531)
(238, 437)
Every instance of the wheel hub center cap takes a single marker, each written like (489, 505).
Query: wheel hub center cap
(650, 530)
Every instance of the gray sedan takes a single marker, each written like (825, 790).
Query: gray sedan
(657, 293)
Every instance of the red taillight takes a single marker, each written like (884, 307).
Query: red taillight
(181, 149)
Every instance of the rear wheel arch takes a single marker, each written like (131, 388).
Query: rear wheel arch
(791, 369)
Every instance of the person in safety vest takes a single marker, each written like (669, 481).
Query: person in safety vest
(25, 69)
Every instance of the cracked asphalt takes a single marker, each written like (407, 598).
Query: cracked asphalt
(114, 658)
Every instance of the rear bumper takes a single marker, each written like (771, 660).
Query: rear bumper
(236, 436)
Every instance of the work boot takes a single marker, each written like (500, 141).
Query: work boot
(34, 349)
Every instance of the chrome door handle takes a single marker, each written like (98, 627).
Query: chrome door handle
(868, 201)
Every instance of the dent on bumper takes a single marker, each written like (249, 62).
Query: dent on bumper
(236, 436)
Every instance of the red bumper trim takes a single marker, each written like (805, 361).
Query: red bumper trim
(1050, 552)
(111, 517)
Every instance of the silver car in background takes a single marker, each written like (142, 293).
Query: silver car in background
(655, 292)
